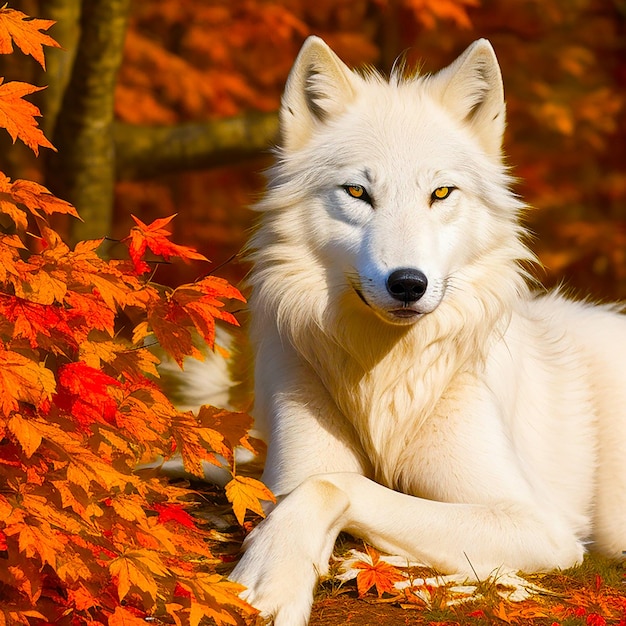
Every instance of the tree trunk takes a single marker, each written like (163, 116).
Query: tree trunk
(59, 61)
(83, 171)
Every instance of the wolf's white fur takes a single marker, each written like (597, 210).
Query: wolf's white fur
(475, 428)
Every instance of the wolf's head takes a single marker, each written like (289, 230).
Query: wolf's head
(391, 193)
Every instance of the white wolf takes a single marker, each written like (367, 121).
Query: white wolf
(414, 391)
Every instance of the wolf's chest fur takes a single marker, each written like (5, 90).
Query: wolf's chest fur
(389, 396)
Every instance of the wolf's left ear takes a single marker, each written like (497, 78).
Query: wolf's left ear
(471, 89)
(319, 86)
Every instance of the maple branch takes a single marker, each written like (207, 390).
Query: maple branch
(148, 151)
(83, 171)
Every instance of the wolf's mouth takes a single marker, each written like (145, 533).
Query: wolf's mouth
(403, 313)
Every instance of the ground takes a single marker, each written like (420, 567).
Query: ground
(347, 609)
(593, 594)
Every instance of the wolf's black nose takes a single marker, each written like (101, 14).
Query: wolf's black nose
(407, 285)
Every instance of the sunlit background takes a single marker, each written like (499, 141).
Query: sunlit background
(564, 67)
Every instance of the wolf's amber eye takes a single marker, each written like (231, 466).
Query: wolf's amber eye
(441, 193)
(358, 192)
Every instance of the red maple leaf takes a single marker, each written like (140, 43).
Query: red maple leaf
(174, 512)
(83, 392)
(155, 237)
(181, 591)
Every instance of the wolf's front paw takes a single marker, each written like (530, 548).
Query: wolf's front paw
(279, 577)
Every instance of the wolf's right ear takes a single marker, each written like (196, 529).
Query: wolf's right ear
(319, 86)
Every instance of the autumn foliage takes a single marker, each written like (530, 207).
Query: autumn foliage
(84, 539)
(564, 70)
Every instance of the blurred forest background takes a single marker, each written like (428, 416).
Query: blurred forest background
(161, 107)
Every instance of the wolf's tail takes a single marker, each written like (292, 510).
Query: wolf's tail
(210, 381)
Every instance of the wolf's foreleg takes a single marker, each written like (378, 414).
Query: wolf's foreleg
(287, 553)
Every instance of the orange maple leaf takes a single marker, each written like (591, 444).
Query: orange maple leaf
(215, 593)
(24, 194)
(38, 199)
(27, 435)
(196, 442)
(143, 418)
(246, 493)
(173, 336)
(191, 307)
(8, 204)
(124, 617)
(155, 237)
(34, 321)
(18, 115)
(22, 379)
(375, 572)
(137, 568)
(201, 302)
(9, 256)
(233, 426)
(24, 31)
